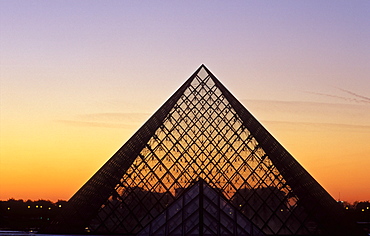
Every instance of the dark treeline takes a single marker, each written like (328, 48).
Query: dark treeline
(31, 215)
(28, 215)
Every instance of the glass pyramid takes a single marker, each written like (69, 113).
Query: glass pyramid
(202, 132)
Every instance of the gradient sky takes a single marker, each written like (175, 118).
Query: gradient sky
(78, 78)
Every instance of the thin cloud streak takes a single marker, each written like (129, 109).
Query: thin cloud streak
(355, 97)
(314, 126)
(340, 97)
(107, 120)
(311, 113)
(95, 124)
(118, 116)
(131, 120)
(297, 106)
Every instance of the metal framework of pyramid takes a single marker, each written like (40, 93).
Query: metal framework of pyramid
(202, 132)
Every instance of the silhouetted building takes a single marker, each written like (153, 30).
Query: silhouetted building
(202, 140)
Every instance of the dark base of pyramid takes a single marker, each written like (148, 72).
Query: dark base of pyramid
(198, 210)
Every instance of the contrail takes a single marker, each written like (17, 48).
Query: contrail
(356, 95)
(367, 100)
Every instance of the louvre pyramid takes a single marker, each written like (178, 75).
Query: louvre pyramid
(201, 132)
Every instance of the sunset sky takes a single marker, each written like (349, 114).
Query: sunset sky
(78, 78)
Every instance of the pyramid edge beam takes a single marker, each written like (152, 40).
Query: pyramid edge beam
(311, 193)
(87, 200)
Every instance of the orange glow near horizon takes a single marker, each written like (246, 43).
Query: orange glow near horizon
(51, 165)
(53, 161)
(335, 156)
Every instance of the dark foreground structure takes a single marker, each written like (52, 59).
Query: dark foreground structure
(202, 165)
